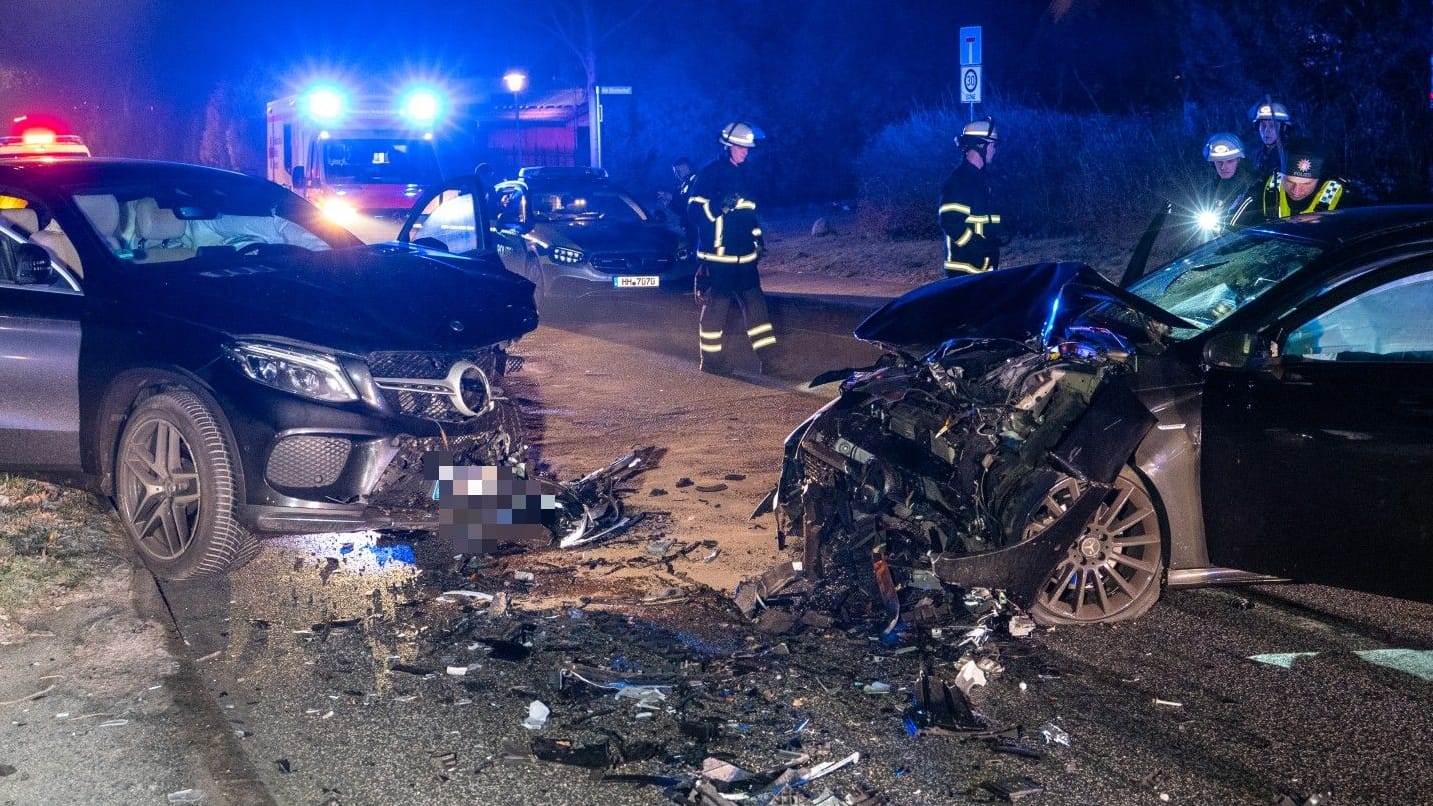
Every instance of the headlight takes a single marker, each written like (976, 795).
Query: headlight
(1208, 220)
(312, 375)
(568, 255)
(339, 210)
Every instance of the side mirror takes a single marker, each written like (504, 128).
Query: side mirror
(32, 265)
(297, 174)
(1238, 351)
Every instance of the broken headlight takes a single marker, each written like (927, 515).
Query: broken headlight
(313, 375)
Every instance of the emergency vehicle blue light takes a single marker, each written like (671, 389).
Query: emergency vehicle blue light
(422, 106)
(325, 104)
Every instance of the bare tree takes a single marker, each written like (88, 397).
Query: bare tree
(581, 28)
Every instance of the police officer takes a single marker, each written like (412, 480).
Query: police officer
(728, 245)
(973, 231)
(1301, 189)
(1271, 119)
(1231, 189)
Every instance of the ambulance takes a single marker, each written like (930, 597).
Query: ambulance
(356, 157)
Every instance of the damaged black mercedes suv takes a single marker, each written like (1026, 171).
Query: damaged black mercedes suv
(211, 353)
(1259, 408)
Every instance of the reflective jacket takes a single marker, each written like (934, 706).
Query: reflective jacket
(1277, 203)
(967, 217)
(724, 219)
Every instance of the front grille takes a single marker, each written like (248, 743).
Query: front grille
(631, 265)
(307, 462)
(431, 366)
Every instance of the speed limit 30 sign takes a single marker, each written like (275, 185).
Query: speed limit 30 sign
(970, 84)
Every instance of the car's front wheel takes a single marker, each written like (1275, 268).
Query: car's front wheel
(1113, 570)
(175, 488)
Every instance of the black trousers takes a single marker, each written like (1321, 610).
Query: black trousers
(711, 330)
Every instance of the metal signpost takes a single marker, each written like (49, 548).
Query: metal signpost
(594, 121)
(971, 80)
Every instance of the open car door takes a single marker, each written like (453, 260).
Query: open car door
(452, 216)
(1318, 464)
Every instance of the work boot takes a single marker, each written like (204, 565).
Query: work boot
(714, 368)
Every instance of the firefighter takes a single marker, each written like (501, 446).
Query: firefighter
(1301, 189)
(1232, 188)
(728, 245)
(973, 231)
(1271, 119)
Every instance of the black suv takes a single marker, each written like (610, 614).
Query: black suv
(571, 230)
(211, 352)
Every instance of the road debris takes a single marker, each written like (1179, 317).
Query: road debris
(185, 796)
(1014, 788)
(537, 714)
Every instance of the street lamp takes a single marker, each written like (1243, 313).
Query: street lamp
(516, 82)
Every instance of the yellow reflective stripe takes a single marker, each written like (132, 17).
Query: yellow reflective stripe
(711, 348)
(706, 205)
(766, 342)
(953, 208)
(709, 334)
(715, 258)
(756, 233)
(994, 219)
(759, 329)
(745, 204)
(953, 265)
(964, 238)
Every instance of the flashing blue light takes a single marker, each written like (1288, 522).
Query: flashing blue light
(422, 106)
(1050, 322)
(326, 104)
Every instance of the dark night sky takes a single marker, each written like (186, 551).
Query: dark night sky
(178, 52)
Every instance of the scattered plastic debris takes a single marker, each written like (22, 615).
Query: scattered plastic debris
(970, 676)
(185, 796)
(877, 687)
(7, 769)
(457, 671)
(1014, 788)
(1054, 733)
(826, 768)
(1168, 703)
(711, 488)
(284, 765)
(1021, 626)
(537, 714)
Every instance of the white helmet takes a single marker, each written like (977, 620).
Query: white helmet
(977, 133)
(1269, 110)
(1223, 146)
(741, 134)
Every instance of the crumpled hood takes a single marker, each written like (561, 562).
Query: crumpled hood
(381, 297)
(1038, 300)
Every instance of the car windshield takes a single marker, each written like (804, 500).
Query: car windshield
(380, 161)
(201, 218)
(1219, 278)
(608, 205)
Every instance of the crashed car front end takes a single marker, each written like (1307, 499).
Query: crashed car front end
(997, 457)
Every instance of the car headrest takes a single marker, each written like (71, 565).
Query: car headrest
(103, 212)
(23, 219)
(155, 223)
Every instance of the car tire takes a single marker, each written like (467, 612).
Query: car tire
(175, 488)
(541, 293)
(1114, 571)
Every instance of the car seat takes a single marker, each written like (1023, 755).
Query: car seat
(159, 234)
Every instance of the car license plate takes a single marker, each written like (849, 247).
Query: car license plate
(637, 281)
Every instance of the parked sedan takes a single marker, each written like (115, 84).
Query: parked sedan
(1260, 408)
(214, 355)
(572, 231)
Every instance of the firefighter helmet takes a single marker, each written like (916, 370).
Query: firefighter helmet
(1269, 110)
(977, 133)
(741, 134)
(1223, 146)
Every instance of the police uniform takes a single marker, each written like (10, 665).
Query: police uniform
(1327, 196)
(728, 245)
(967, 217)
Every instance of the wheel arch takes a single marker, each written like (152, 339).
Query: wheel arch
(132, 387)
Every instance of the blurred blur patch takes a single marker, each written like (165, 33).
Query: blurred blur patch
(481, 506)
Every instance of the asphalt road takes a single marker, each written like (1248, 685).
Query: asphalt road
(346, 677)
